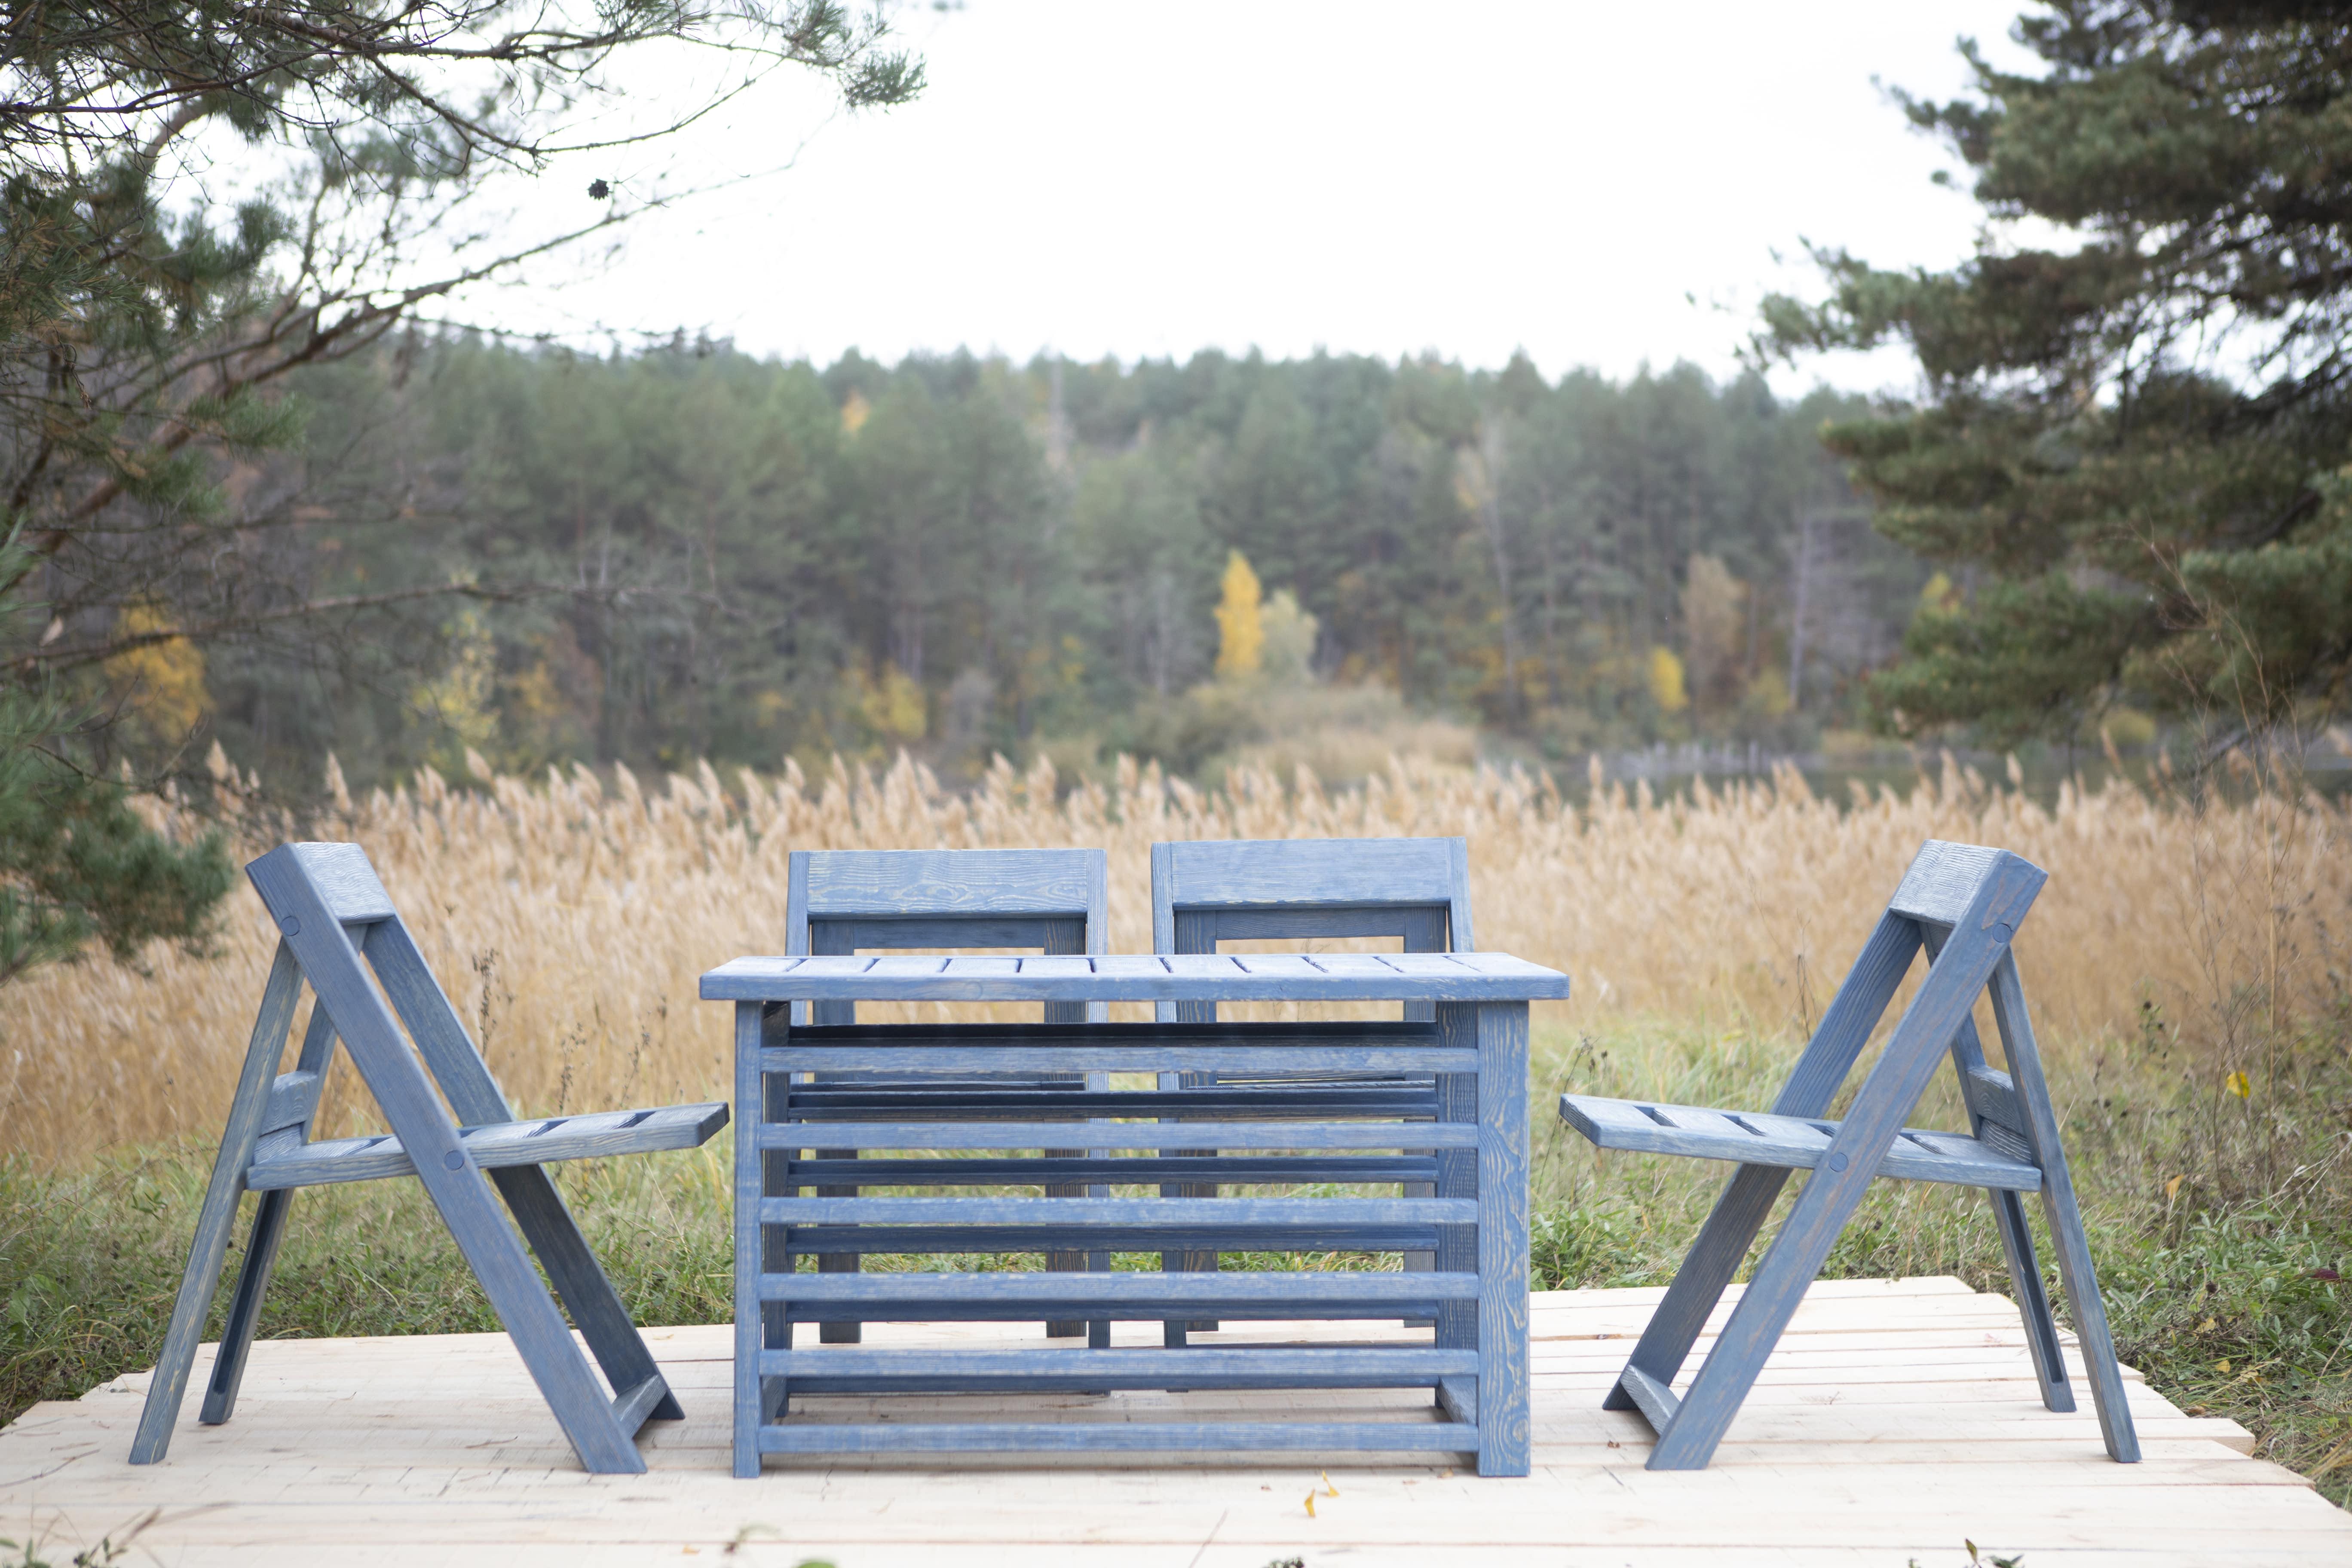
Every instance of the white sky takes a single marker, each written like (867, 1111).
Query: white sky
(1601, 184)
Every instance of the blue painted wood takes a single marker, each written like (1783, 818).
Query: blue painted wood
(1759, 1138)
(1117, 1211)
(1993, 1114)
(988, 1240)
(331, 911)
(1506, 1423)
(1963, 904)
(1274, 1289)
(1208, 891)
(1731, 1227)
(1144, 1055)
(750, 1121)
(1327, 977)
(1254, 1367)
(896, 1056)
(1137, 1135)
(1066, 1177)
(1122, 1436)
(538, 1210)
(839, 902)
(417, 1115)
(217, 1216)
(1980, 935)
(539, 1141)
(286, 1122)
(2066, 1237)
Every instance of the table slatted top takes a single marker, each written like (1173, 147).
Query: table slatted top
(1207, 977)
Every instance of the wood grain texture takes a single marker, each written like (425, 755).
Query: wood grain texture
(846, 883)
(1135, 1136)
(1117, 1211)
(1326, 977)
(1759, 1138)
(1504, 1433)
(534, 1143)
(347, 884)
(1268, 1289)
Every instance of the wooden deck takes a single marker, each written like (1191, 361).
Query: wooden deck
(1896, 1420)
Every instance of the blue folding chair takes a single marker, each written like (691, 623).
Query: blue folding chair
(1963, 905)
(331, 911)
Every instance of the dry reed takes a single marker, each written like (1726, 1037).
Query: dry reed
(568, 917)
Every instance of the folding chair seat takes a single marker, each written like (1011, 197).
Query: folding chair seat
(331, 911)
(1962, 904)
(842, 902)
(1207, 891)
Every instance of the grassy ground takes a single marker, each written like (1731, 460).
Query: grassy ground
(2221, 1223)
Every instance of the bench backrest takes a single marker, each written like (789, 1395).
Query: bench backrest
(849, 901)
(1205, 892)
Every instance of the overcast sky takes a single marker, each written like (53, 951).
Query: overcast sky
(1600, 185)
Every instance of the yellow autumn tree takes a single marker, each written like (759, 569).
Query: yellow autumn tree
(1241, 632)
(164, 678)
(1667, 681)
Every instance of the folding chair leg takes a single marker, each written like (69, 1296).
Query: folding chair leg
(2066, 1237)
(2032, 1301)
(595, 1307)
(245, 1306)
(218, 1216)
(1730, 1230)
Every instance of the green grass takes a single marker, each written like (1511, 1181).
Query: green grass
(2220, 1283)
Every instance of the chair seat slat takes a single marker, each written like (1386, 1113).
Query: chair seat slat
(539, 1141)
(1759, 1137)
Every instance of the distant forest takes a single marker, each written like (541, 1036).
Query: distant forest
(689, 552)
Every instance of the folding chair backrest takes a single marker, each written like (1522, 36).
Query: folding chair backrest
(1205, 892)
(848, 901)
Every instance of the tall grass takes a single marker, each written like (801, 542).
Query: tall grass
(569, 917)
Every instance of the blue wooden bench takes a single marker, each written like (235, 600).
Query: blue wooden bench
(331, 911)
(1962, 905)
(839, 901)
(1474, 1051)
(1207, 891)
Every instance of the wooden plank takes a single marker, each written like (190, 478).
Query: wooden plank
(1137, 1436)
(930, 882)
(1760, 1138)
(1117, 1211)
(1109, 1053)
(347, 884)
(1941, 881)
(1276, 873)
(1340, 977)
(1065, 1175)
(1116, 1239)
(1141, 1135)
(751, 1098)
(539, 1141)
(1285, 1366)
(1305, 1286)
(1502, 1238)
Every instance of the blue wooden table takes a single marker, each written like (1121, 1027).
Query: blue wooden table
(1467, 1132)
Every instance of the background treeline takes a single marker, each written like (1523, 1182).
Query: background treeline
(688, 551)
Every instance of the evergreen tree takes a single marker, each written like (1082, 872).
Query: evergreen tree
(2134, 443)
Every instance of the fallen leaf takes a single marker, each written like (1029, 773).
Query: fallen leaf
(2221, 1365)
(2237, 1084)
(1310, 1502)
(1329, 1489)
(2172, 1188)
(2328, 1274)
(2209, 1325)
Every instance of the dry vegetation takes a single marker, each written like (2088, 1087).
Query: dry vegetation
(569, 918)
